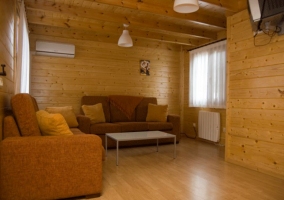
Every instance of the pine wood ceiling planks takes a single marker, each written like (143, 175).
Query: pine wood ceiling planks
(149, 19)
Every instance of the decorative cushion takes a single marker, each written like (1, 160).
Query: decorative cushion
(92, 100)
(142, 108)
(95, 113)
(157, 113)
(68, 114)
(52, 124)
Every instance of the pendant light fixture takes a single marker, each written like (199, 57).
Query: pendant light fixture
(125, 39)
(186, 6)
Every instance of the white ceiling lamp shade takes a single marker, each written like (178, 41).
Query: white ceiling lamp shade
(186, 6)
(125, 39)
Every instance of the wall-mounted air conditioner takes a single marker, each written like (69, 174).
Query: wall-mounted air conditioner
(55, 49)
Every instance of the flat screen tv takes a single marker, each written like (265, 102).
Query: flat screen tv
(267, 15)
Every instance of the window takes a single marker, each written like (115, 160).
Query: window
(208, 76)
(22, 78)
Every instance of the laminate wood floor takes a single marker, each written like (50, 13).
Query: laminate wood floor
(199, 172)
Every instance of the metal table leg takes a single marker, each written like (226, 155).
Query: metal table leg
(175, 146)
(117, 144)
(106, 145)
(157, 145)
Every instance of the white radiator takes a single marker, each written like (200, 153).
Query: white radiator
(209, 125)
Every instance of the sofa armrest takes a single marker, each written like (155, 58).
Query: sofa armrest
(84, 123)
(175, 120)
(50, 167)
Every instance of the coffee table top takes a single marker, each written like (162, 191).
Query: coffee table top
(142, 135)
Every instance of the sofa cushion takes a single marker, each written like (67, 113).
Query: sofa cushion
(67, 112)
(52, 124)
(92, 100)
(142, 108)
(157, 113)
(95, 113)
(24, 109)
(133, 126)
(103, 128)
(159, 126)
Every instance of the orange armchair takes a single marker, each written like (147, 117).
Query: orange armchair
(46, 167)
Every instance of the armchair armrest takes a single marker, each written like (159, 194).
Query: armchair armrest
(50, 167)
(175, 120)
(84, 123)
(10, 128)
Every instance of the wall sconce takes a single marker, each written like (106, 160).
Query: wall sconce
(125, 39)
(3, 73)
(186, 6)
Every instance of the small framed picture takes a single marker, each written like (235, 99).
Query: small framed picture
(145, 67)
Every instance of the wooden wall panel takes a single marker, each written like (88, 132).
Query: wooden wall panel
(190, 115)
(100, 67)
(255, 108)
(7, 24)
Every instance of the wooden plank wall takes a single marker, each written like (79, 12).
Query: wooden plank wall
(7, 23)
(255, 108)
(190, 115)
(100, 67)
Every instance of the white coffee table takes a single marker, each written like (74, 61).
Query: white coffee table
(143, 135)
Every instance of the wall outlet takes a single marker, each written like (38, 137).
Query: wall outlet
(194, 125)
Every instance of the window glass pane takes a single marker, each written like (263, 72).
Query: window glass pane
(22, 78)
(208, 76)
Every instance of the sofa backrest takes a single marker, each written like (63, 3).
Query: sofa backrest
(24, 108)
(114, 114)
(122, 107)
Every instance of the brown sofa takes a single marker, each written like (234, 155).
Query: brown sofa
(46, 167)
(117, 121)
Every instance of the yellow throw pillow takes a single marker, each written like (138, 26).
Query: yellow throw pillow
(52, 124)
(95, 113)
(68, 114)
(157, 113)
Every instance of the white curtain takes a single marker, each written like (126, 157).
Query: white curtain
(22, 78)
(208, 76)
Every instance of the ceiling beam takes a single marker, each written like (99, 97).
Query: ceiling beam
(232, 6)
(100, 27)
(119, 18)
(49, 33)
(162, 9)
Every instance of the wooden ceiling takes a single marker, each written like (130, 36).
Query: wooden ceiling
(148, 19)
